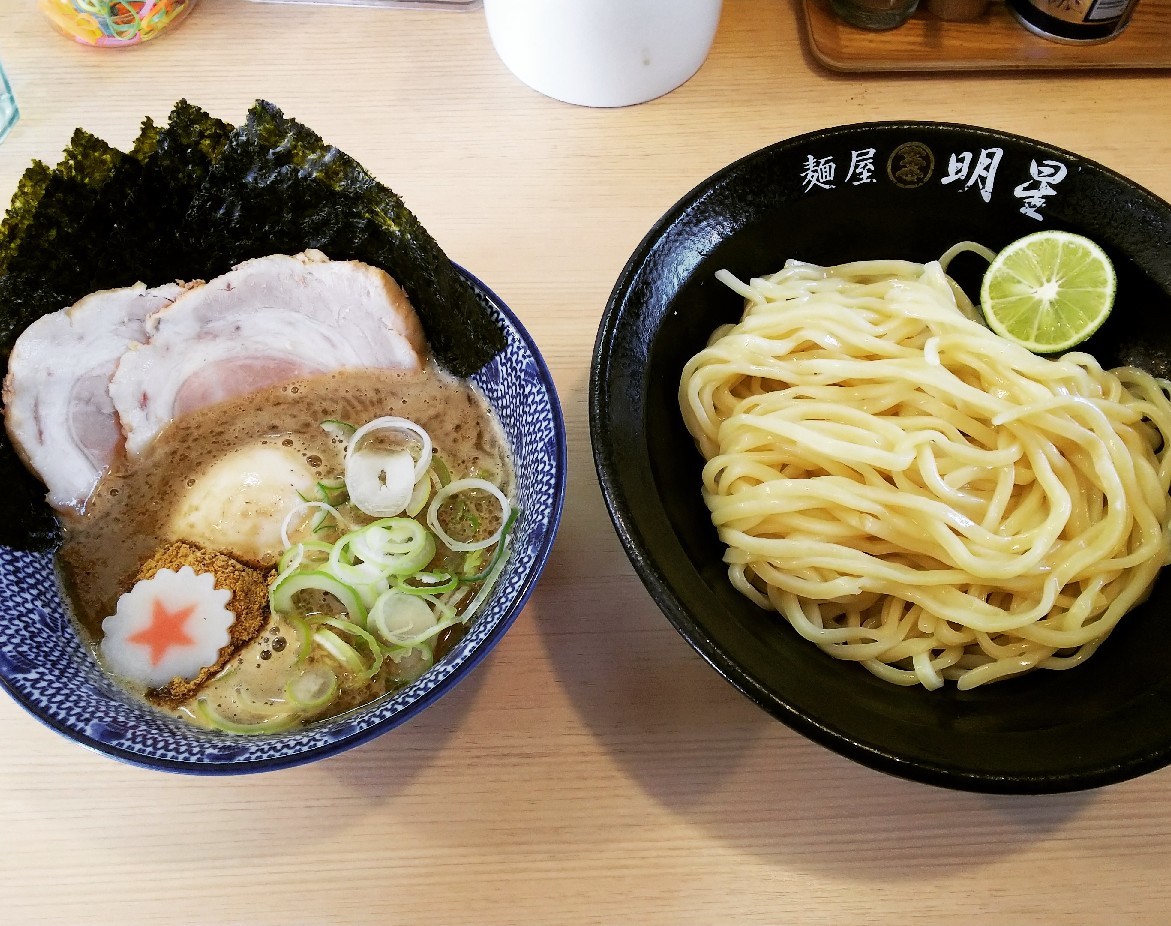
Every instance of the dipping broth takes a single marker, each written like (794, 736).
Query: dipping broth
(225, 477)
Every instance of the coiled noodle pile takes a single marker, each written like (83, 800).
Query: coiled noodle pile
(913, 492)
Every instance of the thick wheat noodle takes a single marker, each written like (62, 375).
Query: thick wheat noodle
(913, 492)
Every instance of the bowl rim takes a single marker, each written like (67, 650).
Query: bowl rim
(358, 736)
(633, 538)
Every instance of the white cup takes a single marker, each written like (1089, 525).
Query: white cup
(603, 52)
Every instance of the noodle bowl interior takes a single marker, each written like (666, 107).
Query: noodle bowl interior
(334, 646)
(914, 493)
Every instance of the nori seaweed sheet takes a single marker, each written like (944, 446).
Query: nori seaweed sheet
(41, 231)
(47, 248)
(29, 190)
(330, 202)
(206, 196)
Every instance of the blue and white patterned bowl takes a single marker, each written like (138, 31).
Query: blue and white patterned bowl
(47, 668)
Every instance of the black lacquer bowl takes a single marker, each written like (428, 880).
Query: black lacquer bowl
(896, 190)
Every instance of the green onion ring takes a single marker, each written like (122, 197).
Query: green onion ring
(376, 653)
(453, 488)
(281, 594)
(270, 725)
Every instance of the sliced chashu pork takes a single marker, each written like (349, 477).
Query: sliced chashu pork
(267, 321)
(57, 406)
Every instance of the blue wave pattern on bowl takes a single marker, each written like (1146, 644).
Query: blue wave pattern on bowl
(45, 665)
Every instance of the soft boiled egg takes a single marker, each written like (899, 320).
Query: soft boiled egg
(238, 504)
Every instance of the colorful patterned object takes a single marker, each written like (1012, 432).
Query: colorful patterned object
(114, 23)
(47, 668)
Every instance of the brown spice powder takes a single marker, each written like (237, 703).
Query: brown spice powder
(249, 602)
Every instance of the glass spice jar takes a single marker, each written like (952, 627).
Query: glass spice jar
(114, 23)
(875, 15)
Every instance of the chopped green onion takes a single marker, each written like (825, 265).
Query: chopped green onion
(464, 513)
(268, 725)
(304, 633)
(410, 664)
(392, 423)
(290, 559)
(434, 579)
(407, 627)
(452, 599)
(340, 431)
(295, 555)
(419, 496)
(441, 471)
(318, 520)
(446, 611)
(437, 586)
(391, 535)
(376, 653)
(473, 560)
(268, 707)
(381, 483)
(498, 553)
(332, 494)
(313, 689)
(401, 546)
(281, 594)
(461, 485)
(340, 650)
(402, 619)
(370, 591)
(489, 580)
(348, 569)
(434, 632)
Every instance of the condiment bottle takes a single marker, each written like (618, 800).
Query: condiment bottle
(114, 23)
(1074, 21)
(957, 10)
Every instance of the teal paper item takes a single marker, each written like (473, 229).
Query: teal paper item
(9, 112)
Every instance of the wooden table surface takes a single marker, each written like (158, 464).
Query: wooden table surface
(592, 768)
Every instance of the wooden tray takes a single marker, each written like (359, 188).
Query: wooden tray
(994, 41)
